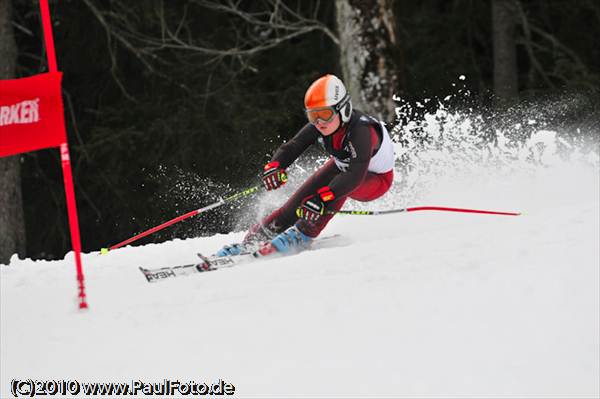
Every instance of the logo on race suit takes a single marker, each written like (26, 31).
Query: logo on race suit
(24, 112)
(351, 149)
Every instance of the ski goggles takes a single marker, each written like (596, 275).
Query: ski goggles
(324, 114)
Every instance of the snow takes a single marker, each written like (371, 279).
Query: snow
(424, 304)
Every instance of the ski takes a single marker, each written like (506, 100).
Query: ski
(212, 263)
(206, 264)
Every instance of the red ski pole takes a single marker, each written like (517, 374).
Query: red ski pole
(424, 208)
(224, 201)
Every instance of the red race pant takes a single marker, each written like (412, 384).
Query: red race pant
(373, 186)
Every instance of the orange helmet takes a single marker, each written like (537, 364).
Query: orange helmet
(328, 93)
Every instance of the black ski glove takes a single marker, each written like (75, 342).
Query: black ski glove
(273, 176)
(315, 206)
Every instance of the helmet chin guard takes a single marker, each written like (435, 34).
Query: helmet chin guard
(345, 109)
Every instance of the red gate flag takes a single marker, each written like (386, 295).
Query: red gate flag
(32, 118)
(31, 114)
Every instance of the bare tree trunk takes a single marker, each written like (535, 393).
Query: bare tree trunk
(371, 57)
(12, 224)
(504, 20)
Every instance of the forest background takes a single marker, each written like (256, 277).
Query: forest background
(171, 104)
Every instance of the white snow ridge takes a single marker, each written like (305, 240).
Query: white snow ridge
(424, 304)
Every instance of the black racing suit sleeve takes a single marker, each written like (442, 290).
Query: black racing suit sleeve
(344, 183)
(287, 153)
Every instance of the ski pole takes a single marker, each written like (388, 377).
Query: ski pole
(222, 201)
(423, 208)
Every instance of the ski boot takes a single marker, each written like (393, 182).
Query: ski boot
(232, 250)
(254, 240)
(291, 240)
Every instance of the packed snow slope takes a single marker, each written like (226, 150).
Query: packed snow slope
(424, 304)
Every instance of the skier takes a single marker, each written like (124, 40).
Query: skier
(360, 167)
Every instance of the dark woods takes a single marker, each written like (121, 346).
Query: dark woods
(172, 103)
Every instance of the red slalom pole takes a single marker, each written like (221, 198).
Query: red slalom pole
(153, 230)
(239, 195)
(65, 161)
(48, 37)
(73, 221)
(445, 209)
(425, 208)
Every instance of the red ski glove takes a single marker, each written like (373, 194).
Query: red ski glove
(273, 176)
(314, 206)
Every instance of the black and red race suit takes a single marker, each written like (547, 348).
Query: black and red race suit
(360, 167)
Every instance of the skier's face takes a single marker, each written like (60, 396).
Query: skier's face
(327, 128)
